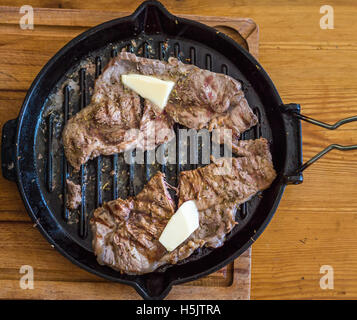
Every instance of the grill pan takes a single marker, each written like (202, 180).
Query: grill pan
(32, 154)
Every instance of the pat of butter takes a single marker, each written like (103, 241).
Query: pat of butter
(180, 226)
(151, 88)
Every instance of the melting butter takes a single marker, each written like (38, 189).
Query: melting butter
(148, 87)
(180, 226)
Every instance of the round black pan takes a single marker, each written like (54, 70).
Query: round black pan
(32, 155)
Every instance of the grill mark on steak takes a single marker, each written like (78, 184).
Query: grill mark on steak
(126, 232)
(246, 175)
(200, 99)
(103, 127)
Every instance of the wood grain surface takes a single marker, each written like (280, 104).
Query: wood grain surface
(316, 222)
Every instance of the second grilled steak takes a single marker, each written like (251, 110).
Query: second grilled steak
(230, 179)
(126, 232)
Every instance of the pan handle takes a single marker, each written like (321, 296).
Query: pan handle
(331, 146)
(334, 126)
(324, 151)
(293, 144)
(8, 150)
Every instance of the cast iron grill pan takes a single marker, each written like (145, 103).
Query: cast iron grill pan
(32, 153)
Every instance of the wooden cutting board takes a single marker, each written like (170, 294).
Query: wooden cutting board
(22, 55)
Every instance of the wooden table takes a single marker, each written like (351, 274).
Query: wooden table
(316, 223)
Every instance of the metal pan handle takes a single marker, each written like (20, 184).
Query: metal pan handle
(296, 113)
(331, 146)
(8, 150)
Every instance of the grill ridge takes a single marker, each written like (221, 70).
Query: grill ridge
(83, 228)
(224, 69)
(257, 134)
(65, 167)
(50, 153)
(99, 194)
(130, 48)
(193, 55)
(208, 62)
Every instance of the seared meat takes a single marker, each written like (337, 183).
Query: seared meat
(247, 148)
(154, 128)
(230, 179)
(199, 99)
(202, 98)
(114, 121)
(74, 195)
(222, 186)
(126, 232)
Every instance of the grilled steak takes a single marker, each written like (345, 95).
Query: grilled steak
(114, 121)
(204, 99)
(126, 232)
(199, 99)
(230, 179)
